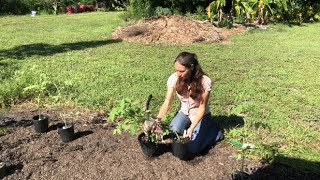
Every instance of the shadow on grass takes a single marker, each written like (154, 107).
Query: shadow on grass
(288, 168)
(41, 49)
(8, 68)
(229, 122)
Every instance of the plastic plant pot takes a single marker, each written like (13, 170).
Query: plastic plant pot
(148, 148)
(240, 175)
(41, 123)
(66, 132)
(179, 148)
(2, 170)
(33, 13)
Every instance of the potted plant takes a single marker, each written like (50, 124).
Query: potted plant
(152, 137)
(179, 146)
(130, 117)
(149, 148)
(40, 120)
(66, 130)
(241, 175)
(154, 141)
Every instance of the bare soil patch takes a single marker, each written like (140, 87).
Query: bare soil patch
(174, 30)
(96, 153)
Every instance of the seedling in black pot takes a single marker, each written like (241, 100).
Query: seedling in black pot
(241, 175)
(148, 147)
(129, 116)
(66, 130)
(40, 121)
(179, 146)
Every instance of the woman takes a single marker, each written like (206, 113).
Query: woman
(193, 88)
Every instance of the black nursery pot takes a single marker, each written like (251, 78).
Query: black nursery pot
(2, 170)
(66, 134)
(240, 175)
(179, 149)
(40, 123)
(148, 148)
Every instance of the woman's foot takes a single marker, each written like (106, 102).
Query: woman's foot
(220, 136)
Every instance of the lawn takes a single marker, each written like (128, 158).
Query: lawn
(267, 77)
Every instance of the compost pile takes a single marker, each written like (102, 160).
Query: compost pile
(95, 153)
(174, 29)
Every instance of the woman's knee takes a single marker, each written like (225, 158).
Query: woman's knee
(179, 123)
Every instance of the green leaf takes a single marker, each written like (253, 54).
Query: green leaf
(31, 88)
(237, 110)
(112, 115)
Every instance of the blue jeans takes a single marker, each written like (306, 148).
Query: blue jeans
(204, 134)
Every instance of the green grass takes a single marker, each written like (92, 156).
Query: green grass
(268, 77)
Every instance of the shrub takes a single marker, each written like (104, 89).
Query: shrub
(162, 11)
(140, 8)
(128, 116)
(13, 7)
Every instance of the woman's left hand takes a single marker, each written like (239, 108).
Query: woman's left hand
(189, 132)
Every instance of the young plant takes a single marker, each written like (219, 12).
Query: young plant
(156, 131)
(39, 89)
(3, 131)
(127, 115)
(68, 118)
(182, 138)
(130, 116)
(67, 123)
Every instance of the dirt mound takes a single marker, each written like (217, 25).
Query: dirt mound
(174, 30)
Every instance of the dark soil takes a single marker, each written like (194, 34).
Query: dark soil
(96, 153)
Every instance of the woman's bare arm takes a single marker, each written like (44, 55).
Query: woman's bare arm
(199, 114)
(167, 103)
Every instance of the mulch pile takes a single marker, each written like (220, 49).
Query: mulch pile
(174, 29)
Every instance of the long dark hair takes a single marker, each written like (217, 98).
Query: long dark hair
(195, 81)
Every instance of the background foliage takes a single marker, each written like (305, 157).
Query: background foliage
(224, 11)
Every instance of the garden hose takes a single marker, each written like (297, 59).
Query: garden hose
(242, 146)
